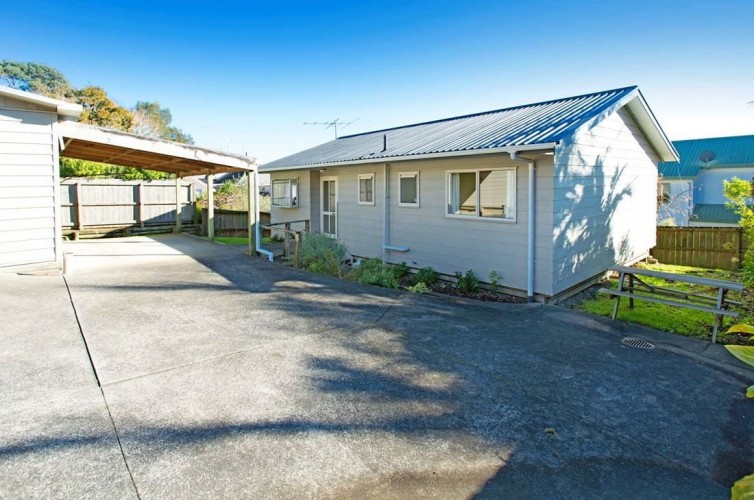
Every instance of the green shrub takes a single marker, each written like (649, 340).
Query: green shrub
(324, 255)
(495, 278)
(374, 272)
(428, 276)
(420, 287)
(467, 283)
(401, 270)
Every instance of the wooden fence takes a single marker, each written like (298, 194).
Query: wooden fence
(113, 202)
(233, 222)
(710, 247)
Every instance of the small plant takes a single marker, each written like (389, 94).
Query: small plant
(428, 276)
(420, 287)
(495, 278)
(401, 270)
(467, 283)
(324, 255)
(277, 238)
(374, 272)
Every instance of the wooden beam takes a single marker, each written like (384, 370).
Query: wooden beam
(210, 207)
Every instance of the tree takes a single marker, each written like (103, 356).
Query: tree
(154, 121)
(100, 110)
(35, 77)
(739, 195)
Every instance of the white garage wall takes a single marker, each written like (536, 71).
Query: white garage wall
(28, 169)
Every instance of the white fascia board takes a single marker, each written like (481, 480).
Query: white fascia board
(83, 132)
(63, 108)
(547, 146)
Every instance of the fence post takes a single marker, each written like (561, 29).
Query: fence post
(287, 238)
(140, 204)
(79, 218)
(296, 248)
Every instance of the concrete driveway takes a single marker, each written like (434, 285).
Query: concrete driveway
(225, 376)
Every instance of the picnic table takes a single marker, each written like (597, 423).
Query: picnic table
(712, 300)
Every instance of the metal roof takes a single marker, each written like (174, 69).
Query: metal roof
(714, 214)
(540, 125)
(729, 152)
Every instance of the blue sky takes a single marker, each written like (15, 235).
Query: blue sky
(244, 76)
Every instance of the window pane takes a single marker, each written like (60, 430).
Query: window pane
(280, 196)
(326, 196)
(366, 190)
(462, 194)
(494, 191)
(409, 190)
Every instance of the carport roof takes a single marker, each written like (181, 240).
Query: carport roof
(87, 142)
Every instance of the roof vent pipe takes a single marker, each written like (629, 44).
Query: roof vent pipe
(384, 143)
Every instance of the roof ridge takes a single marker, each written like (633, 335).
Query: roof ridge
(480, 113)
(715, 138)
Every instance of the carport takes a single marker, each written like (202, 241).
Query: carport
(35, 131)
(86, 142)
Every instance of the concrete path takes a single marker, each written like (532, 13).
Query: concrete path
(225, 376)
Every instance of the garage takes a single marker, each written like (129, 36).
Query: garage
(35, 131)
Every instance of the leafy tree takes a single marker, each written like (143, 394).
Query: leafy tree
(100, 110)
(154, 121)
(35, 77)
(739, 195)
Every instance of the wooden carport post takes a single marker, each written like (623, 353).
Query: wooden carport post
(210, 206)
(252, 206)
(178, 207)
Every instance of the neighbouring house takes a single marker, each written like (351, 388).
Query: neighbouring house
(35, 132)
(691, 190)
(549, 195)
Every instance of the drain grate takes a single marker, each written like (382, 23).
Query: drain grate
(638, 343)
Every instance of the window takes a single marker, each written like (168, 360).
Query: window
(482, 194)
(366, 189)
(285, 193)
(409, 189)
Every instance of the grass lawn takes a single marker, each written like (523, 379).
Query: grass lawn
(675, 319)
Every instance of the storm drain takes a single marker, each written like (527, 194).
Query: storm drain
(638, 343)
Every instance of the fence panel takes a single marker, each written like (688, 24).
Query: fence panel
(112, 202)
(233, 222)
(709, 247)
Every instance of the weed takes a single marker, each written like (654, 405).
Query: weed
(495, 278)
(401, 270)
(420, 287)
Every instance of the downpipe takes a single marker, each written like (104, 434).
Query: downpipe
(531, 226)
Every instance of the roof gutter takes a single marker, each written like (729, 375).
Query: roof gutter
(387, 159)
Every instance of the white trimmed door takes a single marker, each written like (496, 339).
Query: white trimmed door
(329, 204)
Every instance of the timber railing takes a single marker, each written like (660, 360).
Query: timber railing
(291, 235)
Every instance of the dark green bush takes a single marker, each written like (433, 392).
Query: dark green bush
(324, 255)
(374, 272)
(401, 270)
(467, 283)
(428, 276)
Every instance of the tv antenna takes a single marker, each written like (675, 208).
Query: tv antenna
(333, 124)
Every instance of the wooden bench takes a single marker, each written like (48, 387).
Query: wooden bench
(716, 304)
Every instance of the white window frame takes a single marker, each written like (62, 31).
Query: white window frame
(358, 189)
(511, 195)
(292, 204)
(418, 190)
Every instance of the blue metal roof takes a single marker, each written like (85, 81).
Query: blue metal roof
(728, 152)
(714, 214)
(542, 123)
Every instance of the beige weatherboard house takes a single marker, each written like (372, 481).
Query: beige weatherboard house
(549, 195)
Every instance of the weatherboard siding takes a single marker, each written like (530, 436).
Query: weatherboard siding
(28, 176)
(605, 200)
(444, 243)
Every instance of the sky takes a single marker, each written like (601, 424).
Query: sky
(243, 77)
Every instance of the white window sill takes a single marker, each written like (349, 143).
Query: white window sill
(480, 219)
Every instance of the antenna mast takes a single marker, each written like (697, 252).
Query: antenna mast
(333, 124)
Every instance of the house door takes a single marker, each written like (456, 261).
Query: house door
(329, 204)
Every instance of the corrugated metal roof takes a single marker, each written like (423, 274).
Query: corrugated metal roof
(714, 214)
(729, 152)
(529, 125)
